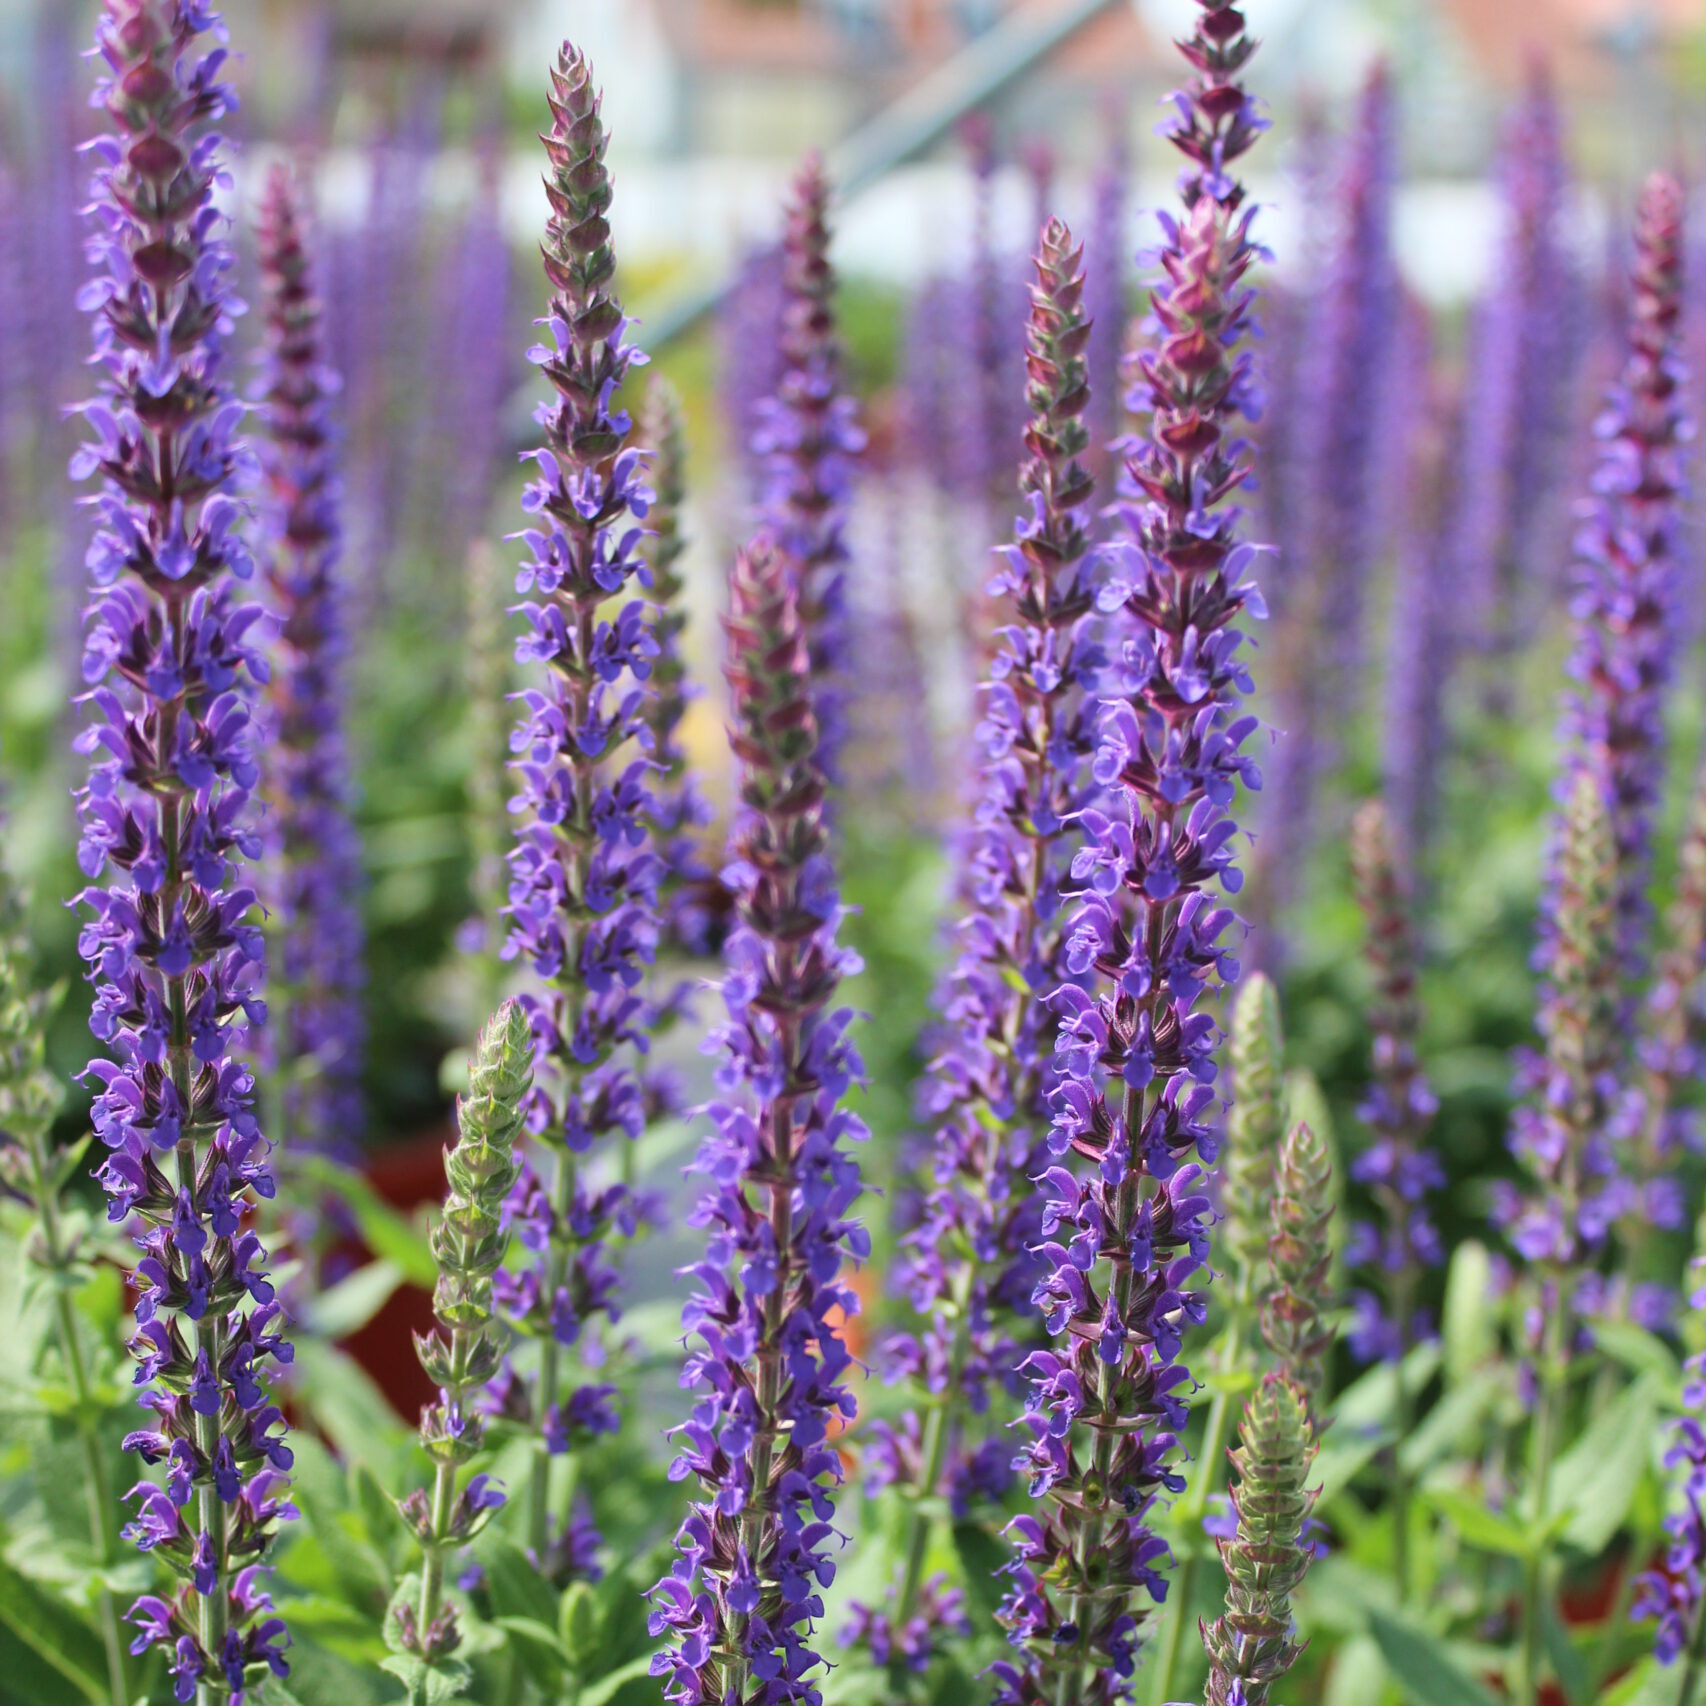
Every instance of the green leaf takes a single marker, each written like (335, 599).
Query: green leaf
(1638, 1350)
(55, 1636)
(1421, 1665)
(1468, 1329)
(1451, 1422)
(981, 1554)
(1358, 1676)
(343, 1399)
(1568, 1665)
(390, 1235)
(607, 1688)
(515, 1586)
(578, 1624)
(543, 1656)
(272, 1692)
(429, 1685)
(349, 1305)
(1649, 1684)
(1596, 1479)
(1487, 1530)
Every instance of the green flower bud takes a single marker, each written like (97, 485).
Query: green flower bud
(1256, 1122)
(1252, 1644)
(1299, 1256)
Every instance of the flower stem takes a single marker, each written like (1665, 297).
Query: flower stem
(1196, 1504)
(1527, 1690)
(935, 1452)
(103, 1513)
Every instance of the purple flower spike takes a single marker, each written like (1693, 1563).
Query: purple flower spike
(1398, 1169)
(1675, 1593)
(175, 960)
(770, 1363)
(583, 880)
(1123, 1238)
(1349, 345)
(808, 438)
(1672, 1039)
(1520, 362)
(968, 1266)
(1626, 553)
(1564, 1133)
(315, 885)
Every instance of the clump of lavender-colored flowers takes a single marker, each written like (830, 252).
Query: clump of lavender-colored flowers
(314, 872)
(1123, 1238)
(769, 1363)
(582, 878)
(968, 1266)
(172, 950)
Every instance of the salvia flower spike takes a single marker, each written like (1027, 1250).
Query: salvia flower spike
(1671, 1043)
(808, 438)
(172, 950)
(1123, 1237)
(1253, 1643)
(1398, 1168)
(465, 1348)
(1562, 1134)
(768, 1359)
(968, 1266)
(1676, 1594)
(314, 863)
(1625, 604)
(583, 880)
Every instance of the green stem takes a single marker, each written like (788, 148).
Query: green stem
(432, 1574)
(1527, 1690)
(935, 1454)
(103, 1513)
(550, 1366)
(1196, 1502)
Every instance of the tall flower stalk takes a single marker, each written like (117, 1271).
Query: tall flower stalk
(1671, 1044)
(739, 1608)
(1561, 1135)
(172, 952)
(1520, 366)
(465, 1347)
(968, 1268)
(1625, 606)
(1397, 1168)
(1253, 1643)
(582, 878)
(1136, 1056)
(808, 439)
(1349, 343)
(1255, 1131)
(314, 869)
(30, 1096)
